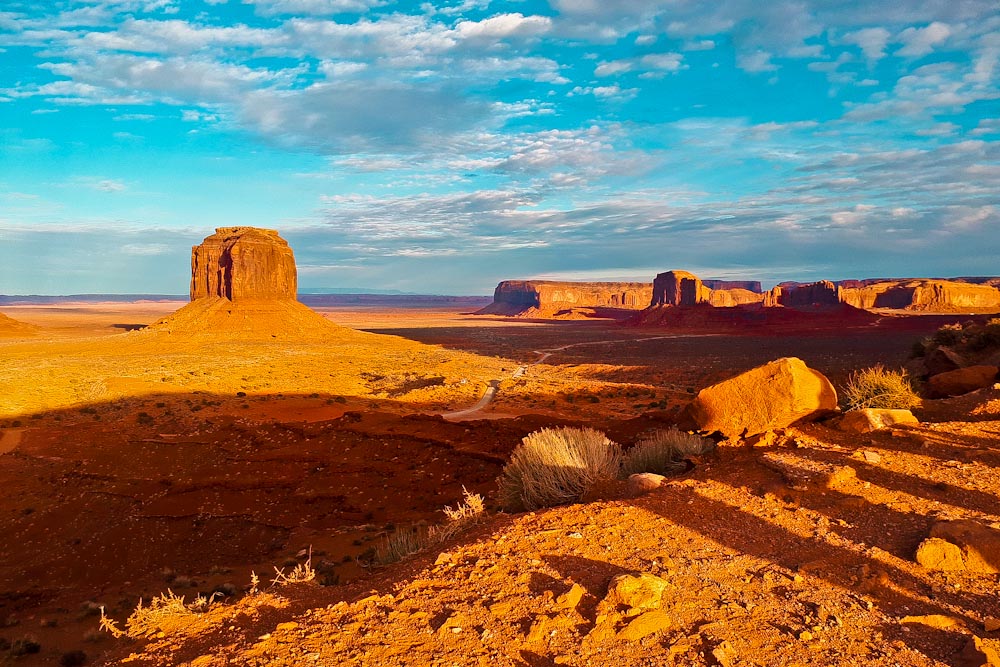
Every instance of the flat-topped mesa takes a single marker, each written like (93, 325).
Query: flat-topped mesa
(513, 297)
(243, 263)
(818, 294)
(681, 288)
(926, 295)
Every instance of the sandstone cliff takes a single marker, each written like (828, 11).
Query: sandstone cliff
(940, 296)
(681, 288)
(544, 298)
(243, 262)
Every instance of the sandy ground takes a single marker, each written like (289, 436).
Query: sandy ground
(129, 465)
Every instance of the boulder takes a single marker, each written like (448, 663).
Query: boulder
(980, 652)
(961, 381)
(979, 544)
(942, 360)
(243, 263)
(768, 397)
(937, 554)
(872, 419)
(642, 483)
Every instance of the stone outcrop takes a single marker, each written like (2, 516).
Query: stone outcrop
(811, 295)
(961, 545)
(768, 397)
(868, 420)
(961, 381)
(681, 288)
(939, 296)
(243, 263)
(544, 297)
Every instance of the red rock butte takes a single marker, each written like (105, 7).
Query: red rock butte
(243, 263)
(243, 283)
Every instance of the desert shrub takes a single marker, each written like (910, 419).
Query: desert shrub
(949, 334)
(408, 541)
(557, 466)
(878, 387)
(919, 348)
(664, 452)
(987, 337)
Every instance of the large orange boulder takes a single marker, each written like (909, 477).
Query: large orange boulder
(243, 263)
(961, 381)
(768, 397)
(961, 545)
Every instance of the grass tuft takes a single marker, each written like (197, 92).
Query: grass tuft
(664, 452)
(558, 466)
(408, 541)
(878, 387)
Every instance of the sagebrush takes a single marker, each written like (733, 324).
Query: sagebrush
(879, 387)
(558, 466)
(664, 452)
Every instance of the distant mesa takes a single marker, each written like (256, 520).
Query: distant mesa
(243, 282)
(672, 289)
(547, 298)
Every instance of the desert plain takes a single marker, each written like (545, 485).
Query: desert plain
(147, 452)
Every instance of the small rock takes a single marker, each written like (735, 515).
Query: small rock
(870, 419)
(286, 627)
(645, 624)
(724, 654)
(539, 630)
(644, 482)
(805, 636)
(991, 624)
(981, 652)
(571, 598)
(871, 457)
(937, 621)
(443, 558)
(937, 554)
(636, 591)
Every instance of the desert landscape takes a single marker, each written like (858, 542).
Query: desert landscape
(244, 480)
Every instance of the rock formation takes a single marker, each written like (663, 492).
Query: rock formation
(681, 288)
(941, 296)
(243, 262)
(243, 284)
(546, 298)
(771, 396)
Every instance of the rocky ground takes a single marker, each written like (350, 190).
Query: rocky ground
(799, 551)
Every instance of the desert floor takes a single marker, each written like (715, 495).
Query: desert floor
(132, 463)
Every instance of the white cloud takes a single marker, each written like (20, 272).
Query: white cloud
(659, 63)
(312, 7)
(108, 185)
(758, 61)
(921, 41)
(145, 249)
(503, 26)
(871, 41)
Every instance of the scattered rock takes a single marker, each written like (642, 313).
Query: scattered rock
(571, 598)
(645, 624)
(872, 419)
(991, 624)
(871, 457)
(765, 439)
(724, 654)
(937, 621)
(771, 396)
(942, 360)
(981, 652)
(937, 554)
(635, 591)
(961, 381)
(978, 545)
(644, 482)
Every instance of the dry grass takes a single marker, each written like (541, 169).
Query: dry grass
(300, 574)
(878, 387)
(166, 613)
(415, 539)
(558, 466)
(664, 452)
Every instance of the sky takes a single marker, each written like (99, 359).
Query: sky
(443, 147)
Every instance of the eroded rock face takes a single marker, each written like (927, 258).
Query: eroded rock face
(822, 293)
(679, 288)
(768, 397)
(243, 263)
(941, 296)
(513, 297)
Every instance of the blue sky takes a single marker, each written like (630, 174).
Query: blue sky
(442, 147)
